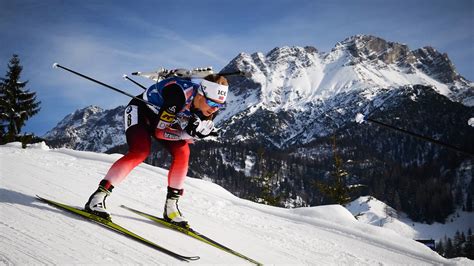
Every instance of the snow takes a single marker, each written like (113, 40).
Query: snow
(235, 104)
(359, 118)
(249, 163)
(372, 211)
(35, 233)
(471, 121)
(290, 78)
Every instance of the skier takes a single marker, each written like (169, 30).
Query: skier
(186, 110)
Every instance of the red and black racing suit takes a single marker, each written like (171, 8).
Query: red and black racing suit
(142, 123)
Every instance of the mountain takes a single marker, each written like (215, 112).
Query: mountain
(295, 92)
(282, 127)
(90, 129)
(35, 233)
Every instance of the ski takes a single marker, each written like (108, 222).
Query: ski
(116, 228)
(192, 233)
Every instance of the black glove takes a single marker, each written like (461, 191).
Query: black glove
(200, 128)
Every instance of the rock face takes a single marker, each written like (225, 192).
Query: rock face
(371, 48)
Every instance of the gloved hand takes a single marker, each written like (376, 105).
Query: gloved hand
(200, 128)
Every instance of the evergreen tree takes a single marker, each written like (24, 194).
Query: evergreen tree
(397, 205)
(16, 103)
(449, 249)
(338, 190)
(469, 202)
(440, 247)
(463, 250)
(459, 197)
(264, 182)
(3, 123)
(469, 246)
(457, 244)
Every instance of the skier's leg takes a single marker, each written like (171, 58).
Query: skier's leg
(139, 142)
(177, 174)
(179, 151)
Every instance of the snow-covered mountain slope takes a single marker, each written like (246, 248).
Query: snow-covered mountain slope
(34, 233)
(372, 211)
(291, 78)
(90, 128)
(295, 92)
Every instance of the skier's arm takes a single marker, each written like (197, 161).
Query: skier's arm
(200, 128)
(173, 101)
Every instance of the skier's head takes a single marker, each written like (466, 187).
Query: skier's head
(211, 94)
(214, 88)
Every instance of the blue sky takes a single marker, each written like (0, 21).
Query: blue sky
(106, 39)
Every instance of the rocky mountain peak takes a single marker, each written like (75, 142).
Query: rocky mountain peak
(371, 48)
(293, 51)
(275, 56)
(90, 128)
(375, 50)
(88, 111)
(436, 64)
(80, 115)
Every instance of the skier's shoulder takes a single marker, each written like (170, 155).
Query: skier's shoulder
(184, 83)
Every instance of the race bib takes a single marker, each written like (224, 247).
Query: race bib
(131, 116)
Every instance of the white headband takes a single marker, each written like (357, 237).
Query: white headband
(214, 91)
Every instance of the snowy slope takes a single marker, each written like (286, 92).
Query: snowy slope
(34, 233)
(372, 211)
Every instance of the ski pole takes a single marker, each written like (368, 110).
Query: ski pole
(421, 137)
(134, 82)
(236, 73)
(56, 65)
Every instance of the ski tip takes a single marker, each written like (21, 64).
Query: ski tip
(193, 258)
(44, 200)
(55, 65)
